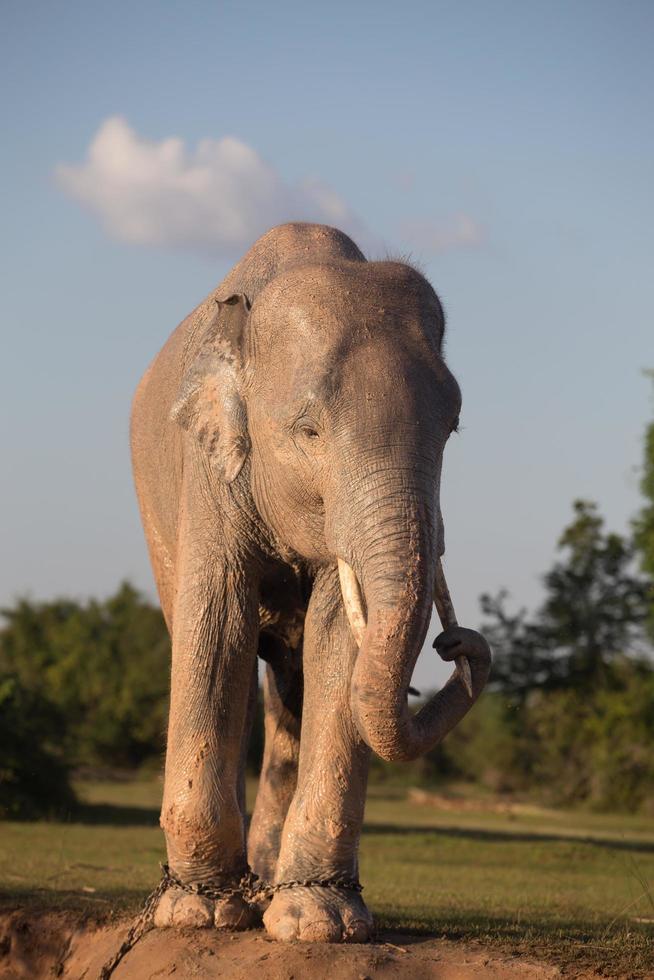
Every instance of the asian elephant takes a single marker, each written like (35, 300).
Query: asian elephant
(287, 445)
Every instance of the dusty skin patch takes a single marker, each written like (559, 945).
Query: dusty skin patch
(36, 946)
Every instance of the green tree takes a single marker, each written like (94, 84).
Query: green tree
(644, 523)
(573, 719)
(104, 667)
(594, 614)
(521, 658)
(595, 749)
(33, 774)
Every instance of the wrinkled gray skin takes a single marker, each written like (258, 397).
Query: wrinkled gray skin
(297, 416)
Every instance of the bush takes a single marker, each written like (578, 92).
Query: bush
(104, 668)
(33, 776)
(488, 745)
(561, 747)
(623, 730)
(565, 747)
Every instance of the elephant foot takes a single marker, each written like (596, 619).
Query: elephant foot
(184, 910)
(318, 915)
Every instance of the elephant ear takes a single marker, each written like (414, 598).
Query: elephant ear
(209, 404)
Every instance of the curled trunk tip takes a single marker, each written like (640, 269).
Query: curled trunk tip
(382, 673)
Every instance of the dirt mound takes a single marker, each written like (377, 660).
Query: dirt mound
(47, 945)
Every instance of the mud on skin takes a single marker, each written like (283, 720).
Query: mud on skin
(294, 425)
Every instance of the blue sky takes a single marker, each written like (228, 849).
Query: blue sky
(507, 147)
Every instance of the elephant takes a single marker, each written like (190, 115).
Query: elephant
(287, 444)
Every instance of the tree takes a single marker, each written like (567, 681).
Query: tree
(521, 659)
(597, 748)
(104, 667)
(596, 605)
(594, 614)
(574, 719)
(33, 774)
(644, 523)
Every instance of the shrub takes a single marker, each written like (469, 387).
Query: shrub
(33, 776)
(104, 666)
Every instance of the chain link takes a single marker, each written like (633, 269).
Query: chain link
(250, 887)
(336, 881)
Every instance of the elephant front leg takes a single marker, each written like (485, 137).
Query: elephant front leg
(320, 839)
(214, 642)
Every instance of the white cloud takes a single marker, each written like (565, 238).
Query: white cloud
(217, 198)
(458, 230)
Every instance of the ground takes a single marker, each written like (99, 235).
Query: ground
(464, 889)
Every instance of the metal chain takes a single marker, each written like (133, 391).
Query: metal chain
(142, 924)
(247, 886)
(250, 887)
(336, 881)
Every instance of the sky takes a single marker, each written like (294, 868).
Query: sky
(506, 147)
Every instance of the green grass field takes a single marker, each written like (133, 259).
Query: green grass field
(570, 887)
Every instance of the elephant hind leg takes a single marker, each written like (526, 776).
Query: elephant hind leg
(282, 692)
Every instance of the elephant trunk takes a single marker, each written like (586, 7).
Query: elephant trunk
(398, 591)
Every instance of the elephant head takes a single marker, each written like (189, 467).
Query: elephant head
(333, 385)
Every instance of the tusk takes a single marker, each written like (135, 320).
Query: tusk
(442, 599)
(357, 619)
(352, 600)
(447, 616)
(354, 606)
(463, 667)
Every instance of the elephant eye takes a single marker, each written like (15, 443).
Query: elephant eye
(308, 432)
(455, 424)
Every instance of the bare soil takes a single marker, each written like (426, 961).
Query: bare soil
(35, 945)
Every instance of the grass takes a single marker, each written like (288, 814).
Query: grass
(575, 888)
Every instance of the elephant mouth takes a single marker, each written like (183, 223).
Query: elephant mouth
(354, 603)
